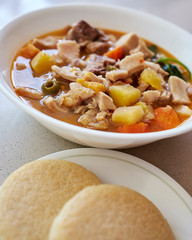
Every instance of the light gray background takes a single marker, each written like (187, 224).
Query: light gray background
(22, 139)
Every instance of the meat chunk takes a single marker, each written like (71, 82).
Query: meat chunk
(88, 117)
(66, 72)
(29, 92)
(189, 89)
(142, 47)
(79, 63)
(89, 76)
(100, 125)
(156, 67)
(143, 86)
(97, 64)
(20, 66)
(81, 109)
(97, 68)
(76, 95)
(92, 103)
(88, 104)
(104, 102)
(97, 47)
(178, 88)
(69, 100)
(132, 63)
(82, 31)
(80, 91)
(94, 119)
(115, 75)
(102, 115)
(100, 59)
(164, 98)
(100, 101)
(151, 96)
(49, 42)
(103, 37)
(57, 60)
(68, 50)
(53, 105)
(127, 42)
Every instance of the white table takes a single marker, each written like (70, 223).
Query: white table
(22, 139)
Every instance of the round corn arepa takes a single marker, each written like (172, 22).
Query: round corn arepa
(110, 212)
(34, 194)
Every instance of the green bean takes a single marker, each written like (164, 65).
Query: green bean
(50, 87)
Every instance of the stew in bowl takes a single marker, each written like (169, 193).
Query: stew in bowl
(103, 79)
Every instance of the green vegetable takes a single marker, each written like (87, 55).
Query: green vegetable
(50, 87)
(111, 68)
(153, 48)
(172, 69)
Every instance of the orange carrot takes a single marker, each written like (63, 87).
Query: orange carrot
(166, 118)
(135, 128)
(116, 53)
(29, 51)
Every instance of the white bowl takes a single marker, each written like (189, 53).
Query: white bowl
(19, 31)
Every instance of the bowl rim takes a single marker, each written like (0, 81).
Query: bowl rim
(111, 6)
(181, 129)
(79, 4)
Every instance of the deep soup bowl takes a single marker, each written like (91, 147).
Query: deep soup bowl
(22, 29)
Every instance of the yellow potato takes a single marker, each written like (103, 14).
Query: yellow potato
(148, 110)
(182, 110)
(42, 62)
(95, 86)
(124, 95)
(128, 115)
(151, 77)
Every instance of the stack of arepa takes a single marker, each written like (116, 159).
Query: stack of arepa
(61, 200)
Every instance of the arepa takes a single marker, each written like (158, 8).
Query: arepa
(110, 212)
(33, 195)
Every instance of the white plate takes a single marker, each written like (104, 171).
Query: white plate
(123, 169)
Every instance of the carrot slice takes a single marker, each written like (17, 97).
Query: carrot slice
(166, 118)
(135, 128)
(29, 51)
(116, 53)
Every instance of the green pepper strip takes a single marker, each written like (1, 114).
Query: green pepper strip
(166, 60)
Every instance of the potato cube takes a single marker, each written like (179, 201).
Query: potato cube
(128, 115)
(148, 110)
(182, 110)
(42, 62)
(124, 95)
(151, 77)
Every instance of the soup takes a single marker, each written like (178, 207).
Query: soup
(103, 79)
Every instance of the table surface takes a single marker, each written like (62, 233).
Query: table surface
(23, 139)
